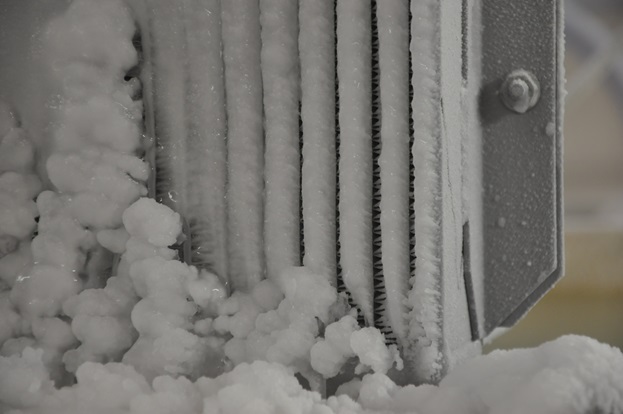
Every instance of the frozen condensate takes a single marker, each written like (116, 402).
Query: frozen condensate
(272, 206)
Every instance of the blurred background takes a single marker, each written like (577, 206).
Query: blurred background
(589, 299)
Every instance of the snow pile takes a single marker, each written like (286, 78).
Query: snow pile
(101, 317)
(570, 375)
(173, 296)
(95, 175)
(287, 328)
(18, 186)
(343, 340)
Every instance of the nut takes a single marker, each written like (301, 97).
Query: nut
(520, 91)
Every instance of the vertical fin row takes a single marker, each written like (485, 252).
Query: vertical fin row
(282, 169)
(320, 129)
(206, 214)
(424, 298)
(341, 286)
(354, 73)
(243, 85)
(394, 161)
(380, 296)
(169, 105)
(332, 186)
(412, 239)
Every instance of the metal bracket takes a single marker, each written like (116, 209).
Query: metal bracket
(520, 108)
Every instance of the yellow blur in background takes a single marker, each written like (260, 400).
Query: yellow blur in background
(588, 301)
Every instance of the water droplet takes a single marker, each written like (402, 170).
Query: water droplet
(550, 129)
(524, 223)
(501, 222)
(529, 263)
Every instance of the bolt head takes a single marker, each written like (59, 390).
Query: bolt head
(520, 91)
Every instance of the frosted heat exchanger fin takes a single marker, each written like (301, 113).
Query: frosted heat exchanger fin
(368, 141)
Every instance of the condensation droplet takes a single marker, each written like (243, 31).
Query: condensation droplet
(550, 129)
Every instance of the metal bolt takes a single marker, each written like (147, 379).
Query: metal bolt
(520, 91)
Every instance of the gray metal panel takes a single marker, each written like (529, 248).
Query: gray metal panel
(522, 203)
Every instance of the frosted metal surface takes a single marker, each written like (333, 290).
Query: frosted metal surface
(522, 200)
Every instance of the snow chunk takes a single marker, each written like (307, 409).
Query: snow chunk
(376, 391)
(328, 356)
(114, 240)
(24, 379)
(108, 43)
(267, 295)
(326, 360)
(16, 263)
(298, 283)
(9, 318)
(53, 333)
(369, 345)
(350, 388)
(285, 335)
(153, 222)
(206, 290)
(43, 291)
(338, 334)
(17, 210)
